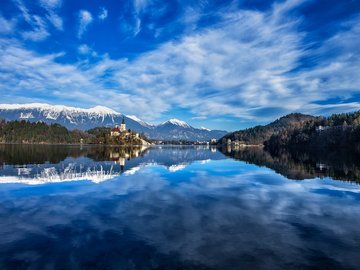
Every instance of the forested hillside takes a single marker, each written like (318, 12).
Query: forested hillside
(260, 134)
(26, 132)
(298, 130)
(39, 132)
(338, 130)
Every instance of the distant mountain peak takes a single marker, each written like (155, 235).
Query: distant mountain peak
(103, 109)
(204, 128)
(177, 122)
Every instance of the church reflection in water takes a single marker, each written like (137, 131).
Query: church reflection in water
(31, 164)
(52, 164)
(120, 155)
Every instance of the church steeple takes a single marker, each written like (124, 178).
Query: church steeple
(123, 126)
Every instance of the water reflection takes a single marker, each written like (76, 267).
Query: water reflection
(40, 164)
(300, 164)
(177, 208)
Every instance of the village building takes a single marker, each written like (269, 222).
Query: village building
(320, 128)
(115, 132)
(213, 141)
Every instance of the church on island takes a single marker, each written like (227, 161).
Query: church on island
(121, 136)
(120, 131)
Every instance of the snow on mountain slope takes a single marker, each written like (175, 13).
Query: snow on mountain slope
(204, 128)
(99, 110)
(100, 116)
(135, 118)
(26, 116)
(177, 122)
(70, 117)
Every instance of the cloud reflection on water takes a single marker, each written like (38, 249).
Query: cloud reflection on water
(222, 214)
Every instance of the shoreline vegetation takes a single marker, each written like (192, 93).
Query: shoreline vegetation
(338, 131)
(72, 144)
(24, 132)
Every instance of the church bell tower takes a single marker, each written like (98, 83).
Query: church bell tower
(123, 125)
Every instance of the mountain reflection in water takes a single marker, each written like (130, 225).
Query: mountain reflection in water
(36, 164)
(39, 164)
(175, 208)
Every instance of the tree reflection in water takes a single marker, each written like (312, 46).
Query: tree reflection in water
(300, 164)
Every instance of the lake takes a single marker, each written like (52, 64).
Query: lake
(88, 207)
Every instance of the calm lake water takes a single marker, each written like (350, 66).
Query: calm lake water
(177, 208)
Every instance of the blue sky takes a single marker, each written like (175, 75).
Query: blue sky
(218, 64)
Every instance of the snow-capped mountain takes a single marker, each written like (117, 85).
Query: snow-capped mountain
(176, 122)
(175, 129)
(70, 117)
(100, 116)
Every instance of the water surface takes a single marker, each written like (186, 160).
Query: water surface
(176, 208)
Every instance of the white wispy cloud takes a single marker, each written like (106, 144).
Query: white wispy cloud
(6, 26)
(24, 71)
(130, 28)
(39, 29)
(140, 5)
(338, 71)
(199, 117)
(139, 8)
(103, 14)
(84, 49)
(244, 60)
(246, 67)
(56, 20)
(85, 18)
(51, 4)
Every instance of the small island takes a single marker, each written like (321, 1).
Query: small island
(120, 136)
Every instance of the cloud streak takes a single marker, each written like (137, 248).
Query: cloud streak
(39, 30)
(6, 26)
(212, 213)
(103, 14)
(85, 19)
(248, 66)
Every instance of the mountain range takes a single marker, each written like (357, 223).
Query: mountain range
(100, 116)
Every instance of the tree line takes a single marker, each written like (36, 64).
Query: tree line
(39, 132)
(299, 130)
(336, 131)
